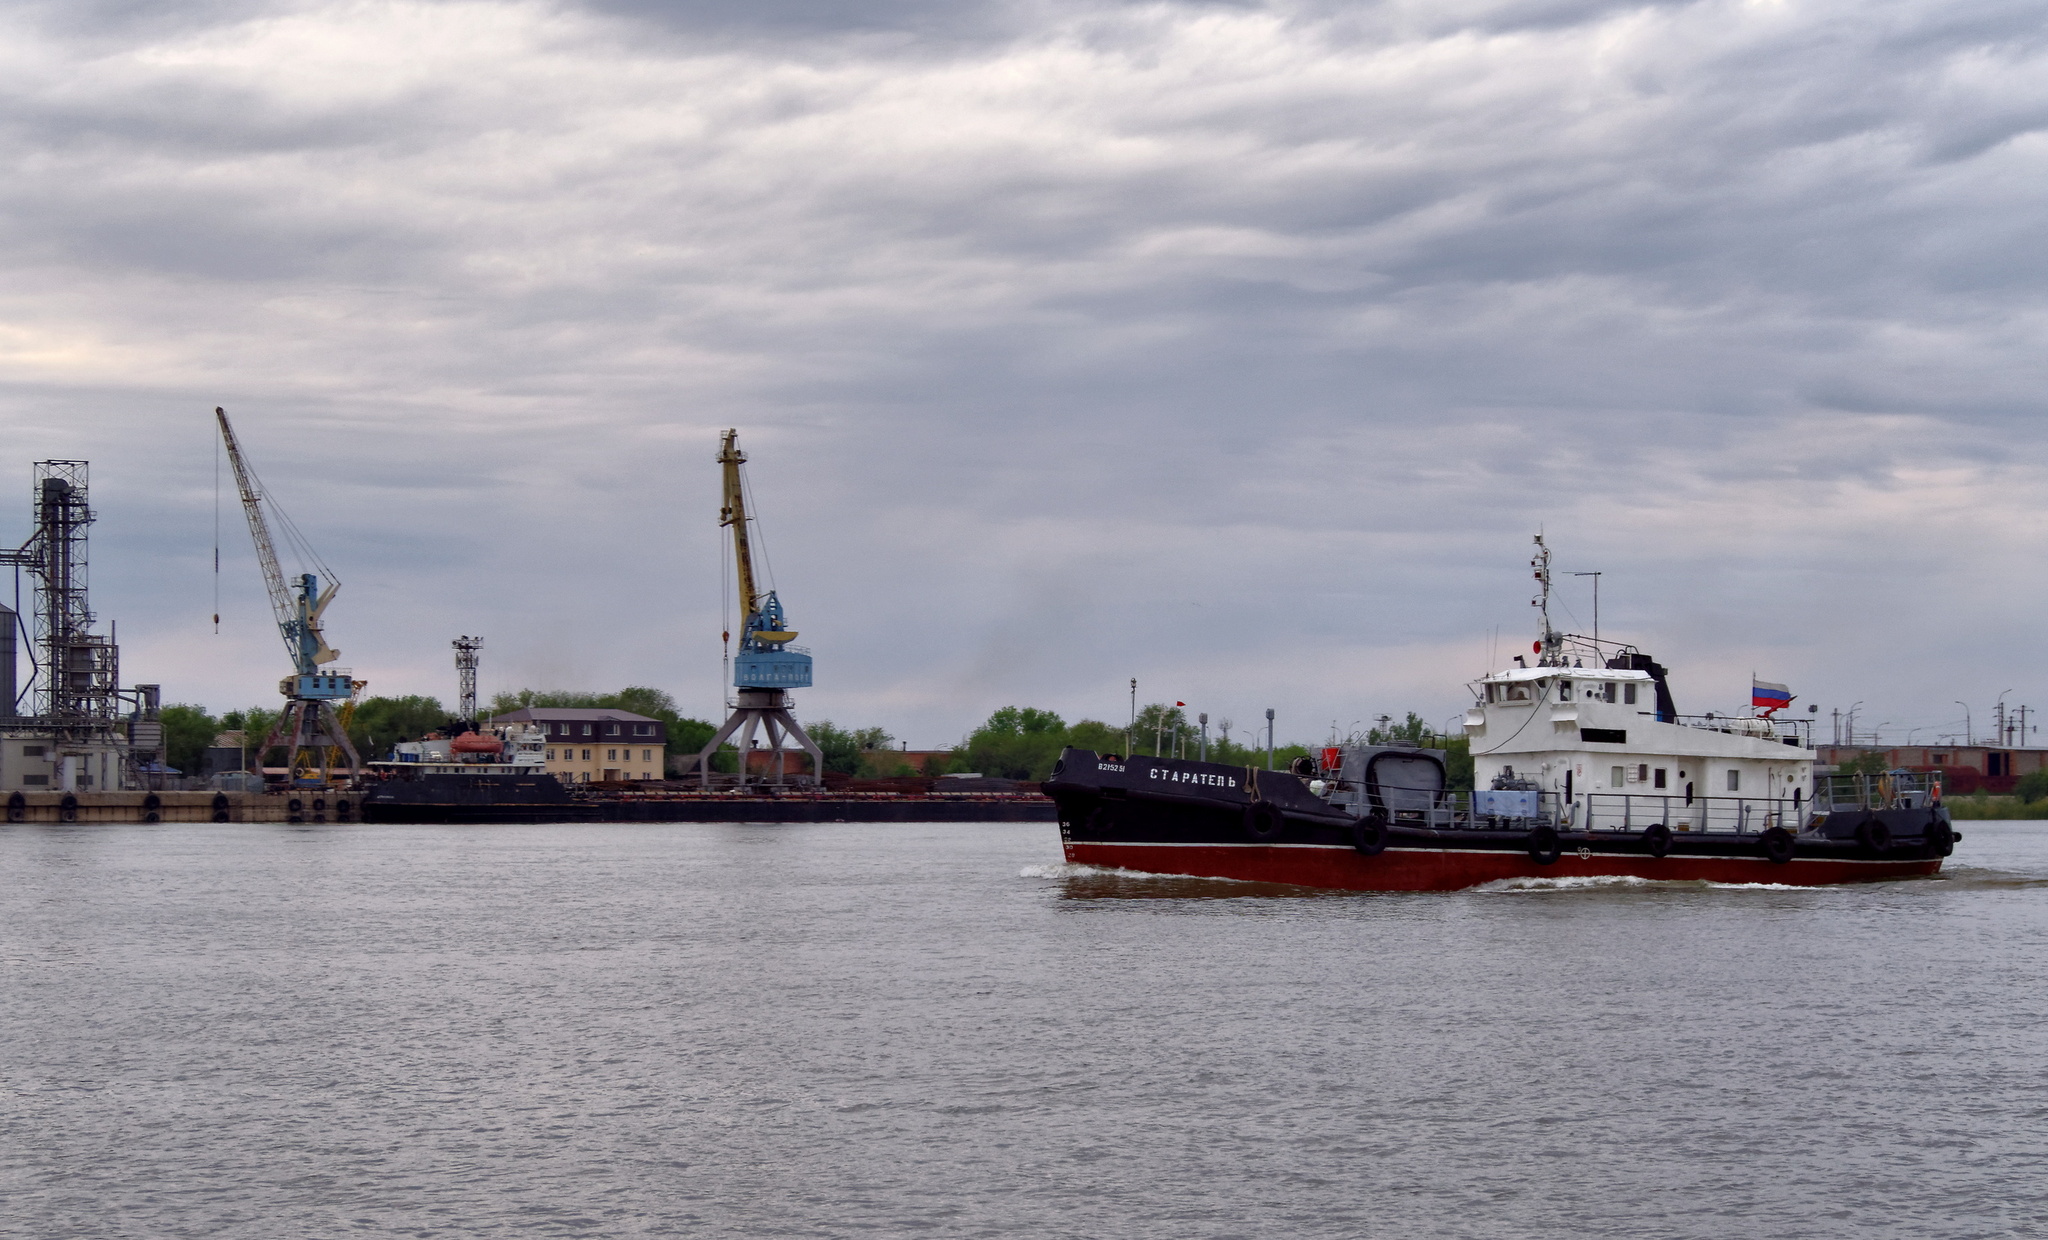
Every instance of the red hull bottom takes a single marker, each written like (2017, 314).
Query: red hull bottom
(1450, 869)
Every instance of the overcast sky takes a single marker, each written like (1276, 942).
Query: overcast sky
(1236, 347)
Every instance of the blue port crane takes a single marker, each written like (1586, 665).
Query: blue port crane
(309, 728)
(767, 666)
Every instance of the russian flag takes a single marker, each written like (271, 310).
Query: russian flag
(1767, 696)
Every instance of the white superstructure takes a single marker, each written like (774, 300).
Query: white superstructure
(1603, 742)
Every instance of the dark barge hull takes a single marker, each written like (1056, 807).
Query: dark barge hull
(1168, 817)
(498, 799)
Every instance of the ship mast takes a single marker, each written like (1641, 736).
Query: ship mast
(1550, 645)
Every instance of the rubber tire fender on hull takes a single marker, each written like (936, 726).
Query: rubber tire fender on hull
(1776, 844)
(1657, 839)
(1941, 838)
(1263, 822)
(1874, 835)
(1544, 846)
(1369, 835)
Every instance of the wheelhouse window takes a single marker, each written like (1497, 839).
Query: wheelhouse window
(1734, 780)
(1628, 694)
(1564, 690)
(1607, 692)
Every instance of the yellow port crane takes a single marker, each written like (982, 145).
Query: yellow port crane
(767, 666)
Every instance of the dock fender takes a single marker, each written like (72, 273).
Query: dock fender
(1656, 839)
(1544, 845)
(1874, 835)
(1263, 822)
(1777, 845)
(67, 809)
(17, 808)
(1369, 834)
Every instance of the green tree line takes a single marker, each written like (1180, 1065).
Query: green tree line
(1015, 742)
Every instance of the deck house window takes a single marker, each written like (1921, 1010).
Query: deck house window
(1660, 773)
(1734, 780)
(1607, 692)
(1617, 777)
(1628, 695)
(1564, 690)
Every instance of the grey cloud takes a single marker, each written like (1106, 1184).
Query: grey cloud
(1214, 344)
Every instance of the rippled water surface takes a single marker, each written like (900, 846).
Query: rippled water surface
(853, 1030)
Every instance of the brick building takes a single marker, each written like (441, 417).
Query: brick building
(591, 744)
(1966, 767)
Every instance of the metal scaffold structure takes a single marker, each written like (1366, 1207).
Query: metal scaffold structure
(310, 730)
(467, 650)
(767, 665)
(76, 685)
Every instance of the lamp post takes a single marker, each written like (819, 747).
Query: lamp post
(1204, 717)
(1969, 733)
(1269, 738)
(1131, 732)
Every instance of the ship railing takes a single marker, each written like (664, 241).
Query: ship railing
(1890, 790)
(1632, 812)
(1600, 812)
(1441, 810)
(1797, 732)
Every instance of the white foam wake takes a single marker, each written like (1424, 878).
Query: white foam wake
(1585, 882)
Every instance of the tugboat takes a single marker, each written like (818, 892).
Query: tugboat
(1586, 770)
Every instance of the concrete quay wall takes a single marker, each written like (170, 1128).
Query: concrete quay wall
(132, 807)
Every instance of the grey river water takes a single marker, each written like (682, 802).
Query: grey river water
(938, 1030)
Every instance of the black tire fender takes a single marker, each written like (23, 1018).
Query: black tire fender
(1544, 845)
(1657, 839)
(1263, 822)
(295, 805)
(67, 809)
(17, 808)
(1874, 835)
(1369, 834)
(220, 815)
(220, 804)
(1776, 844)
(1941, 838)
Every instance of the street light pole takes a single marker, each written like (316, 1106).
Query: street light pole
(1269, 738)
(1969, 733)
(1131, 732)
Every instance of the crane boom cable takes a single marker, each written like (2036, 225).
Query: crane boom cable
(760, 533)
(259, 531)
